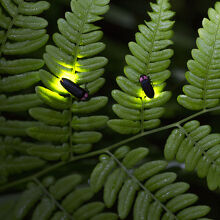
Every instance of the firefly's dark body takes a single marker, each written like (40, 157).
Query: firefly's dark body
(74, 89)
(147, 86)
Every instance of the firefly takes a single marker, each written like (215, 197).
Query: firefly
(74, 89)
(147, 86)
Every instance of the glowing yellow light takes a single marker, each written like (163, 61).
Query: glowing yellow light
(70, 66)
(54, 82)
(69, 73)
(80, 68)
(157, 90)
(49, 95)
(73, 77)
(142, 94)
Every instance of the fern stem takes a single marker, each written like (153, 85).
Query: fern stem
(70, 132)
(142, 116)
(153, 39)
(94, 153)
(28, 178)
(78, 39)
(75, 53)
(46, 192)
(197, 114)
(140, 184)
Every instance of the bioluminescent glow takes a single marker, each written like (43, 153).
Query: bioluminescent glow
(49, 95)
(68, 71)
(67, 65)
(73, 77)
(75, 89)
(157, 90)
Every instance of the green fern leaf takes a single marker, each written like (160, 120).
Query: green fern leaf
(49, 199)
(13, 67)
(49, 116)
(15, 127)
(107, 216)
(29, 198)
(74, 57)
(89, 210)
(93, 105)
(49, 133)
(23, 32)
(121, 174)
(149, 57)
(18, 103)
(49, 152)
(17, 82)
(6, 205)
(203, 75)
(200, 150)
(71, 181)
(11, 166)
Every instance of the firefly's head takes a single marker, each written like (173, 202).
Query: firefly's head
(142, 78)
(85, 96)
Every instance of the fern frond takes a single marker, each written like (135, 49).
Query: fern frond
(149, 57)
(198, 149)
(74, 57)
(15, 146)
(18, 103)
(16, 165)
(23, 32)
(15, 127)
(158, 197)
(203, 75)
(49, 199)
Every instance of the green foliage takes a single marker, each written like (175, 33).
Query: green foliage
(74, 57)
(150, 56)
(145, 186)
(17, 165)
(49, 199)
(15, 128)
(121, 175)
(200, 150)
(22, 33)
(133, 184)
(6, 205)
(203, 74)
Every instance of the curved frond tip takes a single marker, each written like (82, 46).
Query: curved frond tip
(204, 70)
